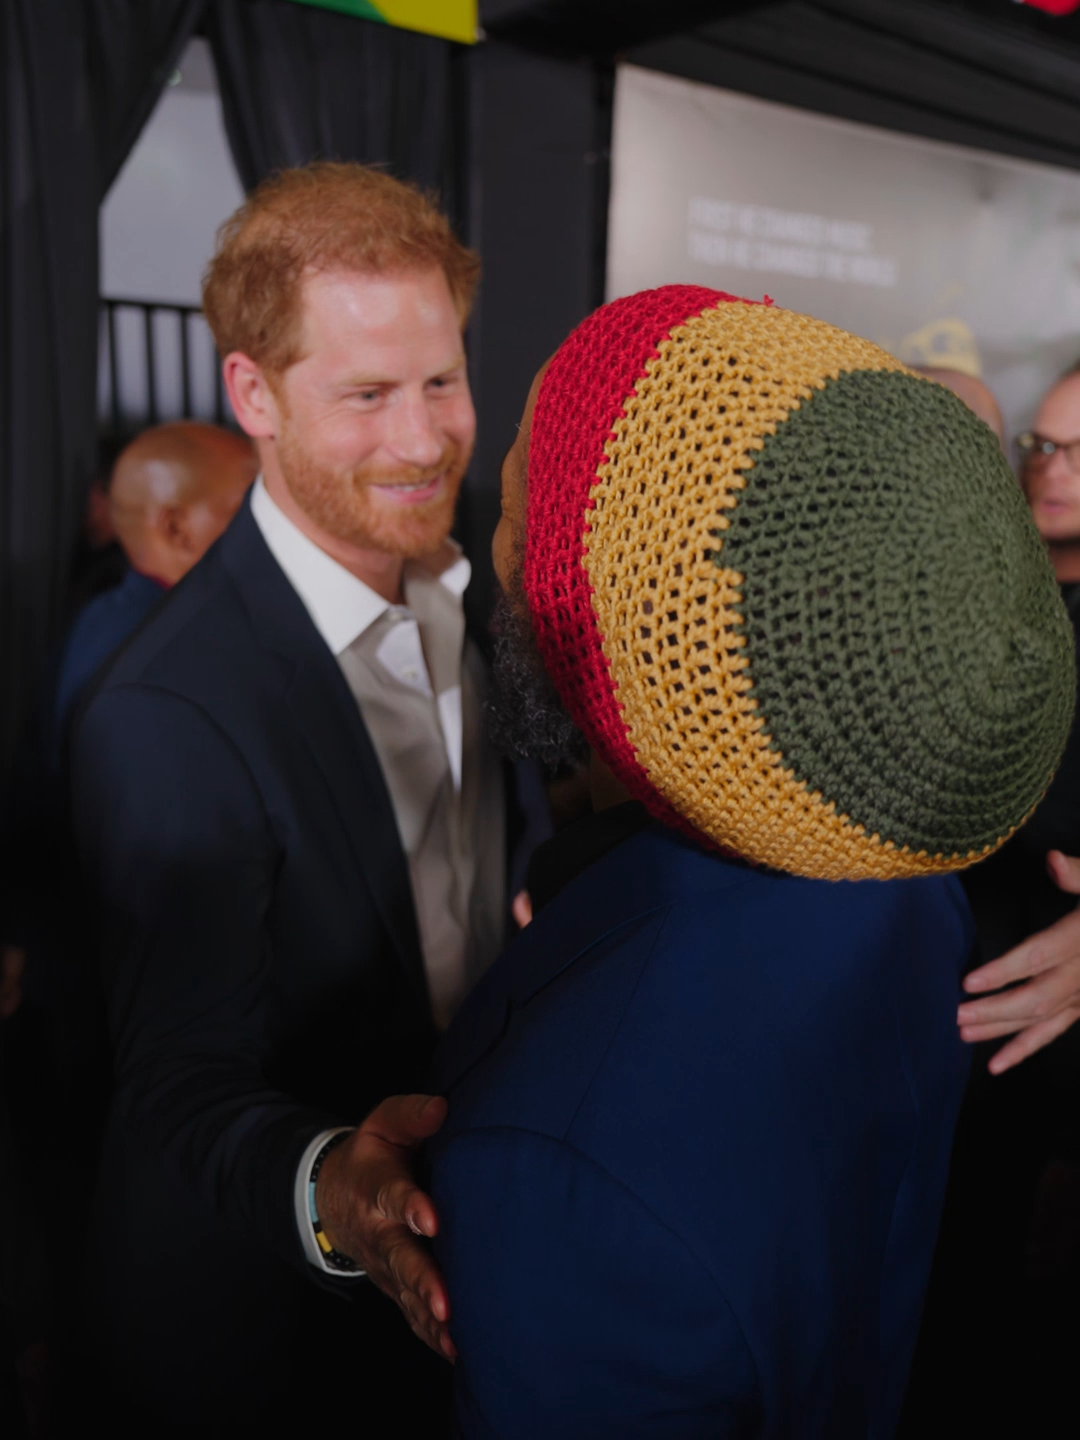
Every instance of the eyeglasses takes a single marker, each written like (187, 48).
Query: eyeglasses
(1036, 449)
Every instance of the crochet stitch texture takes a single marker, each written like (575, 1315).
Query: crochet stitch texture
(790, 591)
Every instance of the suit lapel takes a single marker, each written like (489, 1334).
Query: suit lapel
(327, 716)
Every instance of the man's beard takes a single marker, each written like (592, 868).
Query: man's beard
(341, 502)
(526, 719)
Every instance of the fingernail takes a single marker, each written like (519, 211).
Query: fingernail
(410, 1220)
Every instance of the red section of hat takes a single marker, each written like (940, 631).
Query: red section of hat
(581, 398)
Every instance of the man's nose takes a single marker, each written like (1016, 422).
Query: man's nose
(1057, 467)
(414, 438)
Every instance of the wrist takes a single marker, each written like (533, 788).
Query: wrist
(321, 1188)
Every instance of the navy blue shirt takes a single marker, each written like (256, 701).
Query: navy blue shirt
(100, 628)
(699, 1130)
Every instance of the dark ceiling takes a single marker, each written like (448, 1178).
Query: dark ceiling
(598, 27)
(988, 73)
(605, 27)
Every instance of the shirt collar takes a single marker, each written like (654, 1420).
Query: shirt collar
(341, 606)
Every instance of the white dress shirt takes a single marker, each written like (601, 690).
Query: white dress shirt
(416, 684)
(343, 607)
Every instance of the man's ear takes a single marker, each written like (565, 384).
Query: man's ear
(251, 396)
(171, 523)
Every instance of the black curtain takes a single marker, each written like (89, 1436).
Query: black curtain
(80, 80)
(300, 84)
(539, 186)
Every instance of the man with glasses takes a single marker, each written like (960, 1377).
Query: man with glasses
(1037, 925)
(999, 1330)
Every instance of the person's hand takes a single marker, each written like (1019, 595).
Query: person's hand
(372, 1210)
(1049, 1002)
(12, 965)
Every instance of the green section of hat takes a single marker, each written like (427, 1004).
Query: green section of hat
(450, 19)
(909, 649)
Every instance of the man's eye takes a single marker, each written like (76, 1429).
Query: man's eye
(368, 394)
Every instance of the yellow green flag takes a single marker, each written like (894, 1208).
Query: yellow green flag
(451, 19)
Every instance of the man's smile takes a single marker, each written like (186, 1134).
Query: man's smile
(411, 492)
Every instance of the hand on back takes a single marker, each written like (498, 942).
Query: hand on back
(372, 1210)
(1048, 1002)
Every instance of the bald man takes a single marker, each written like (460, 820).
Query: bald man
(975, 394)
(173, 491)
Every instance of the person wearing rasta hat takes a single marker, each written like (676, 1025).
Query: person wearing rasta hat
(700, 1112)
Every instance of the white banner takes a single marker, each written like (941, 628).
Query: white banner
(940, 254)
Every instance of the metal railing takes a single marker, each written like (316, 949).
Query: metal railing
(156, 362)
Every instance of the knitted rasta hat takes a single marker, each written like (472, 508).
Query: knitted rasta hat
(790, 591)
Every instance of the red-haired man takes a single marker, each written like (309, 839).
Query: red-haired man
(295, 834)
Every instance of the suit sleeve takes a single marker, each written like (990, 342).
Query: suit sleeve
(575, 1311)
(180, 859)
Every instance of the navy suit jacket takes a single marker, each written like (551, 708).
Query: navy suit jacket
(699, 1128)
(262, 966)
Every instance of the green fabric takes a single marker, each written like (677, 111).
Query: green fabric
(908, 646)
(364, 9)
